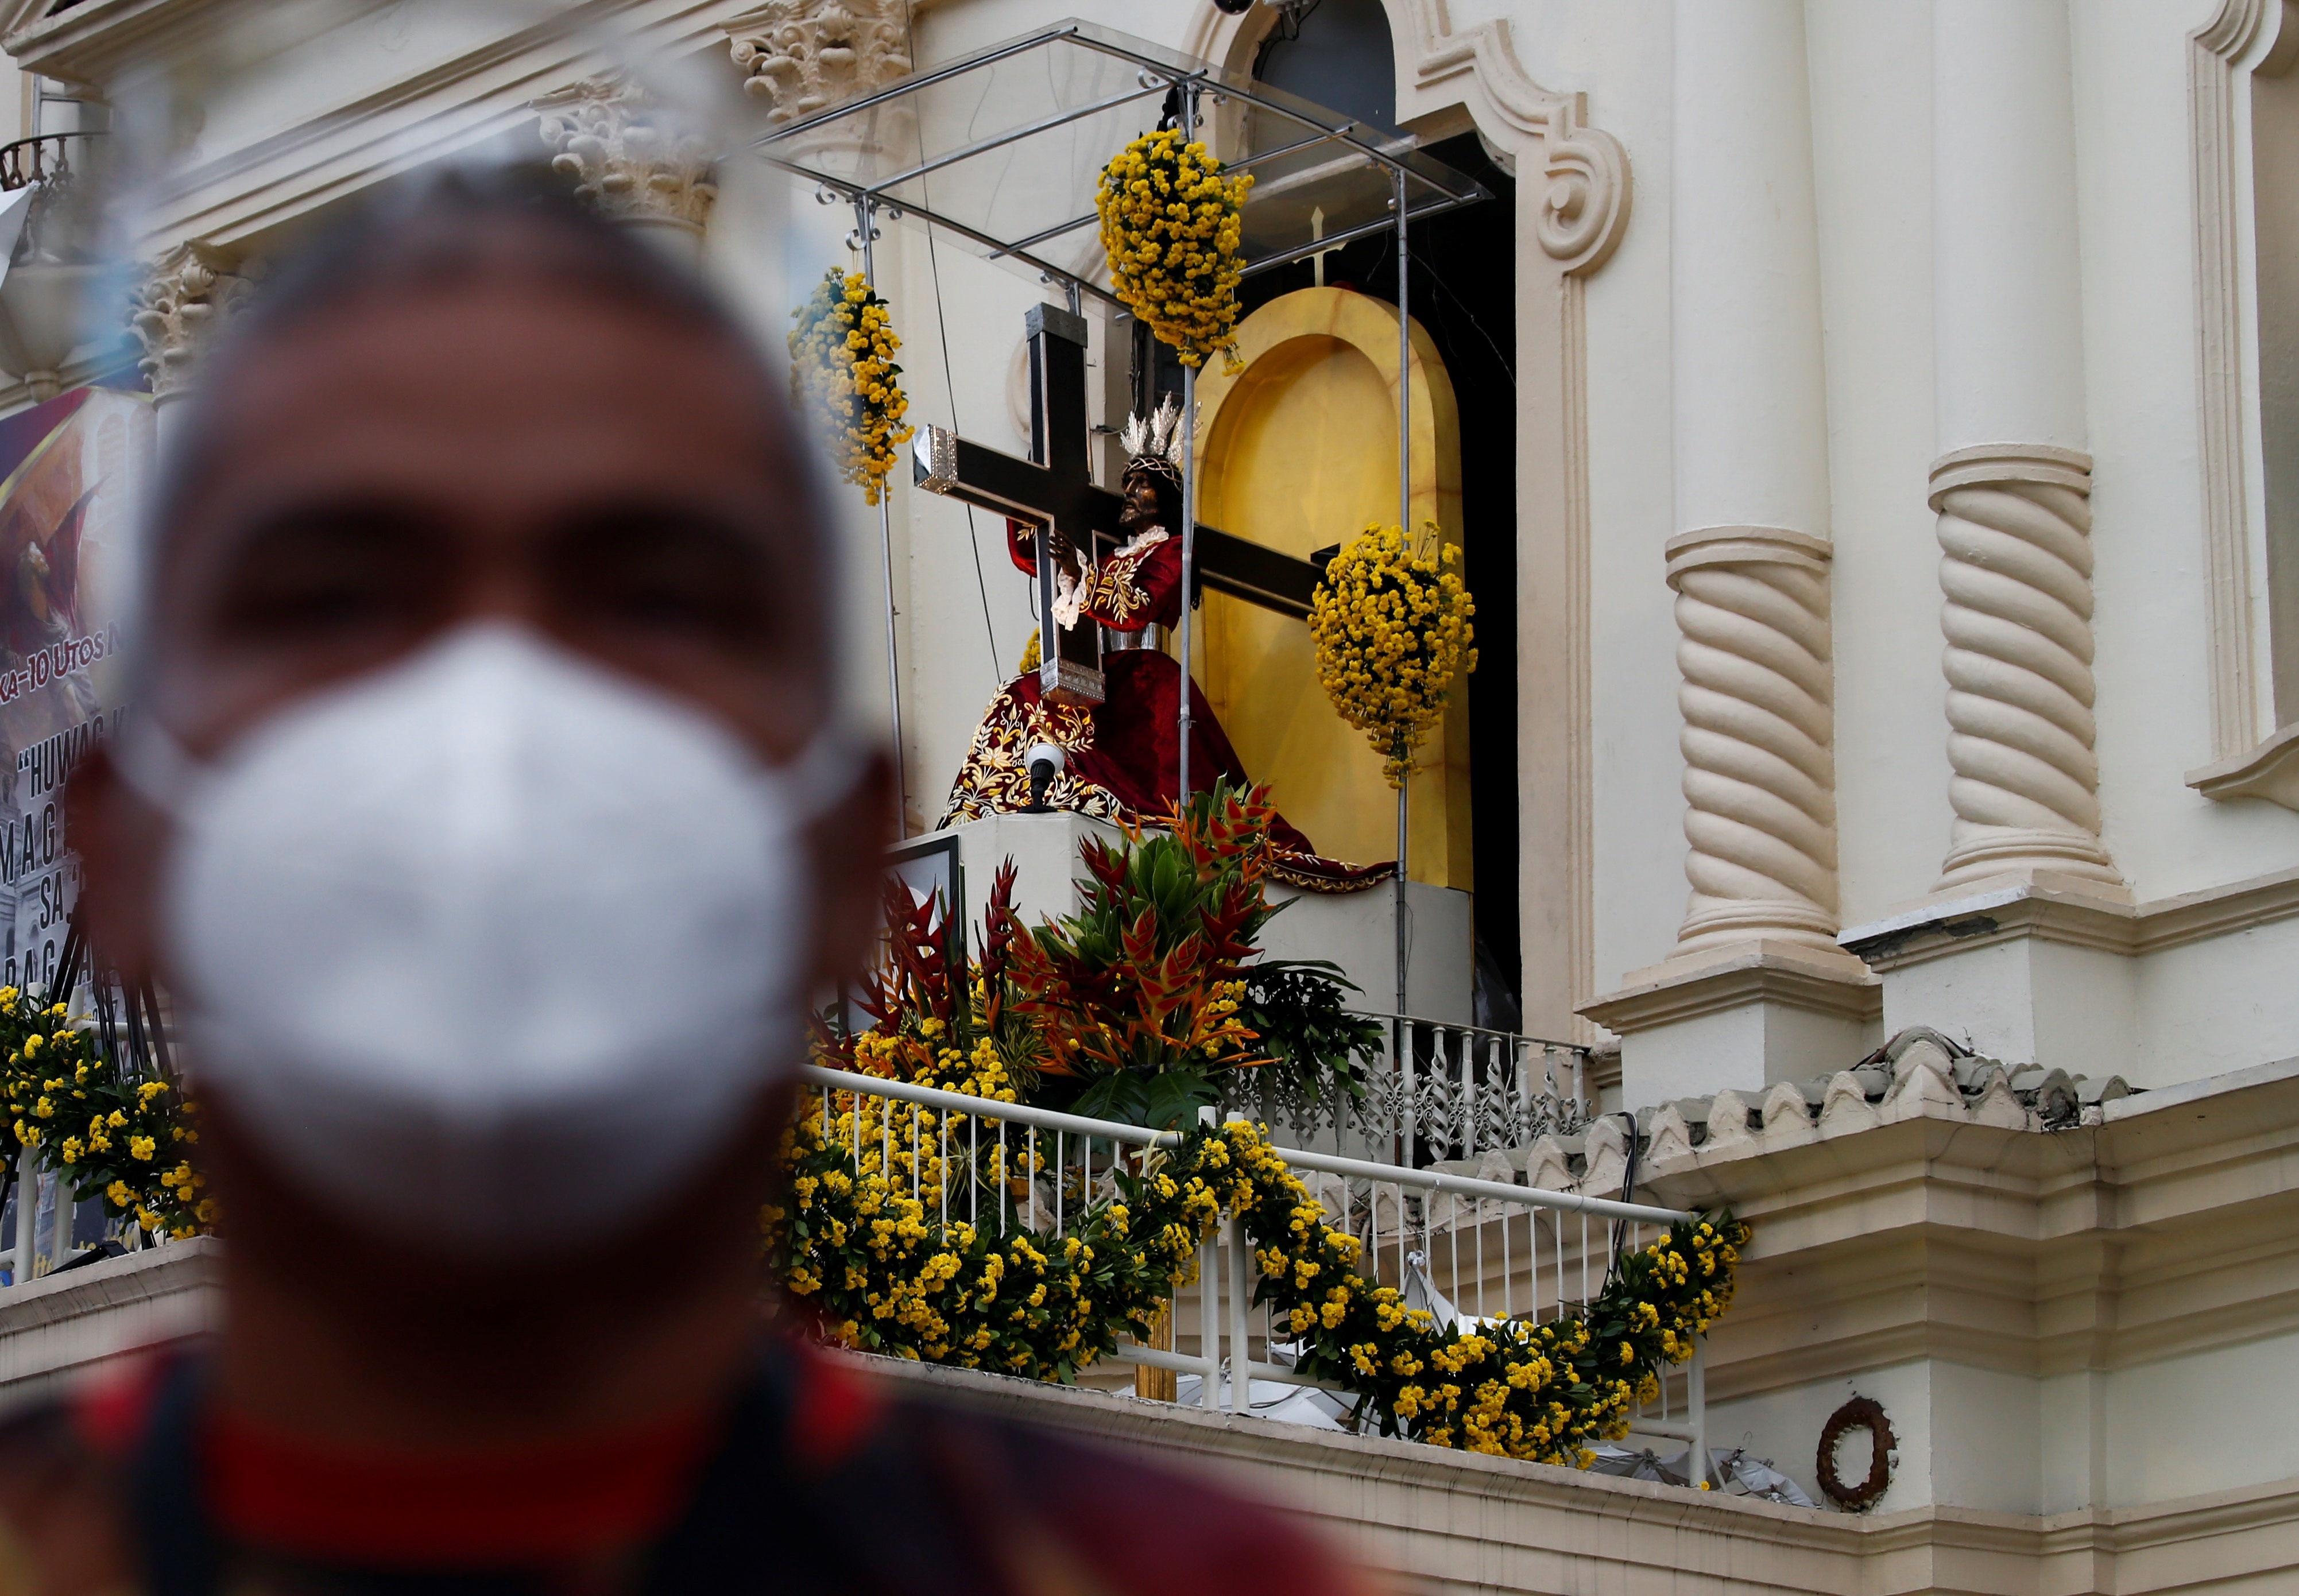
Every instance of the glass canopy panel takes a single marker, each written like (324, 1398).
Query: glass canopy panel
(1003, 148)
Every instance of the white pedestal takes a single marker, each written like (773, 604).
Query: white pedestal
(2035, 970)
(1743, 1017)
(1357, 930)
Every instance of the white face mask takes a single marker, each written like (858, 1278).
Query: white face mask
(493, 946)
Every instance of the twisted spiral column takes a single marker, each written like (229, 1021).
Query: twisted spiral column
(1759, 734)
(2015, 534)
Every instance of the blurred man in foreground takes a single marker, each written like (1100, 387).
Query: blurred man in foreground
(488, 816)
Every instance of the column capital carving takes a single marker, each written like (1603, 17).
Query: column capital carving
(633, 162)
(1744, 546)
(2001, 464)
(186, 296)
(802, 56)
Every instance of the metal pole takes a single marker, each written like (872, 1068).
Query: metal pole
(1241, 1333)
(1695, 1402)
(865, 233)
(1405, 530)
(28, 1214)
(60, 1236)
(1189, 509)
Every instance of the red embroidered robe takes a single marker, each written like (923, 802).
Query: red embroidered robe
(1121, 752)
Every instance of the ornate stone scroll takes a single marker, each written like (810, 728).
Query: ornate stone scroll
(803, 57)
(630, 158)
(188, 292)
(2015, 533)
(1759, 735)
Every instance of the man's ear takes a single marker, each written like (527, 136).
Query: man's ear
(849, 848)
(118, 838)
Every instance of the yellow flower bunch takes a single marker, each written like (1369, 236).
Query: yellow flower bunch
(125, 1138)
(1390, 627)
(1171, 221)
(842, 365)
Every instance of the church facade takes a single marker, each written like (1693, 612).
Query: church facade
(1871, 434)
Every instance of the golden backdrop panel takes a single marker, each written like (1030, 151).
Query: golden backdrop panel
(1299, 451)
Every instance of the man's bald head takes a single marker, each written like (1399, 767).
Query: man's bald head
(475, 405)
(484, 400)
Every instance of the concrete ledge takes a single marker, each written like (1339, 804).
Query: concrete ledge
(54, 1326)
(1451, 1521)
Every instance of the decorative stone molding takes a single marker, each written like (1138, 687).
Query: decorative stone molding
(631, 160)
(1728, 1123)
(2269, 771)
(1846, 1109)
(2218, 53)
(2073, 916)
(190, 290)
(1585, 208)
(1759, 775)
(802, 56)
(2015, 529)
(1788, 1119)
(1790, 974)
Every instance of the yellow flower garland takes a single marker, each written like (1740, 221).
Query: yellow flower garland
(1391, 631)
(842, 364)
(862, 1243)
(1171, 224)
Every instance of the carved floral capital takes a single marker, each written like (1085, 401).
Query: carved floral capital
(189, 292)
(631, 160)
(806, 56)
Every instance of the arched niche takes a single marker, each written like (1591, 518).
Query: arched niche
(1300, 452)
(1573, 199)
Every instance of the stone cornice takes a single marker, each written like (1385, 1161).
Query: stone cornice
(1761, 972)
(91, 42)
(2073, 913)
(2269, 771)
(2164, 1230)
(1456, 1518)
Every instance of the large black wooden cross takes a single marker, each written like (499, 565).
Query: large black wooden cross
(1054, 487)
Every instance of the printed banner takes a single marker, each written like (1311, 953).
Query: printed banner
(71, 474)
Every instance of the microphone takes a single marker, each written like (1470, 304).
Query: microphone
(1044, 760)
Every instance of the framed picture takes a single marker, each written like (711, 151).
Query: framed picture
(930, 871)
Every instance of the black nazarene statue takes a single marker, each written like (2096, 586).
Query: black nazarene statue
(1121, 751)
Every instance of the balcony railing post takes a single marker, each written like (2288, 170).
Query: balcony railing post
(1241, 1334)
(1696, 1408)
(27, 1215)
(1209, 1319)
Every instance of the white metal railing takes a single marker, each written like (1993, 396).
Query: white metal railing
(1491, 1250)
(1438, 1092)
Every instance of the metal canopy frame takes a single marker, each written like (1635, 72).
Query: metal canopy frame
(1385, 181)
(1428, 186)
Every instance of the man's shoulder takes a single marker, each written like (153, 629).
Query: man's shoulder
(61, 1481)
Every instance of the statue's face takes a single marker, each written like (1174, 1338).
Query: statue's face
(1144, 502)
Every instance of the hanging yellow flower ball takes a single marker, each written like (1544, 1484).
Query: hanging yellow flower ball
(1172, 224)
(1390, 627)
(843, 366)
